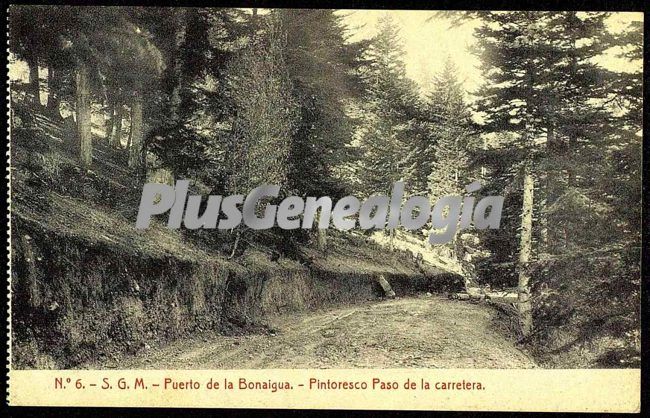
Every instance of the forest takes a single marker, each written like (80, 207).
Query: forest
(230, 99)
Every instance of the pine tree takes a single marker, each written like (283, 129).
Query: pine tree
(391, 112)
(575, 115)
(322, 67)
(444, 159)
(198, 46)
(265, 113)
(513, 100)
(561, 111)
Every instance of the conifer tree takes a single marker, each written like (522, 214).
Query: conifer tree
(265, 113)
(445, 157)
(321, 64)
(198, 46)
(560, 110)
(512, 100)
(391, 112)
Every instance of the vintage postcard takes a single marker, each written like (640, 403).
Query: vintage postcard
(319, 208)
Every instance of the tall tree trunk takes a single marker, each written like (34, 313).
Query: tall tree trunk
(574, 26)
(234, 246)
(53, 88)
(525, 251)
(34, 89)
(83, 115)
(571, 179)
(548, 182)
(571, 147)
(254, 22)
(321, 235)
(116, 139)
(35, 297)
(110, 122)
(177, 74)
(128, 138)
(136, 152)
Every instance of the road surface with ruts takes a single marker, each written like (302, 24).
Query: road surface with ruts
(427, 332)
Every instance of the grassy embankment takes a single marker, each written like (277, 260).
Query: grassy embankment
(87, 285)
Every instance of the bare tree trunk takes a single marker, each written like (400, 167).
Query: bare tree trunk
(83, 115)
(234, 246)
(116, 139)
(136, 150)
(548, 185)
(35, 298)
(130, 136)
(53, 87)
(321, 235)
(254, 22)
(179, 39)
(322, 239)
(571, 174)
(570, 181)
(110, 122)
(34, 81)
(525, 251)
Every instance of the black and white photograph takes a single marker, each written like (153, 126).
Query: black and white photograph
(208, 188)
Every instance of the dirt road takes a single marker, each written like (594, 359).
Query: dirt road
(430, 332)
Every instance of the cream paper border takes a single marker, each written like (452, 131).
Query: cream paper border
(539, 390)
(579, 390)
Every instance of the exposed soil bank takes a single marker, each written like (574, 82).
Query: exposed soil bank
(78, 300)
